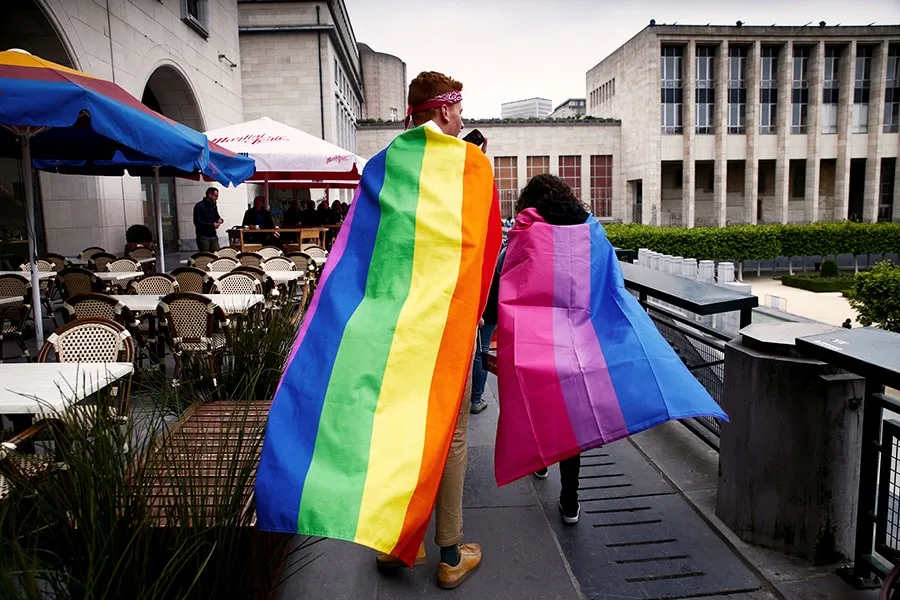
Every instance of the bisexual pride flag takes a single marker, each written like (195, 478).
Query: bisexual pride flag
(579, 362)
(361, 424)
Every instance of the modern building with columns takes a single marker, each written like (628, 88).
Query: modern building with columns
(584, 153)
(755, 124)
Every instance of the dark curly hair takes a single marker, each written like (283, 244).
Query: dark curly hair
(553, 199)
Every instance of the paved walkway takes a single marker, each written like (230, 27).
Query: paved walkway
(828, 307)
(641, 536)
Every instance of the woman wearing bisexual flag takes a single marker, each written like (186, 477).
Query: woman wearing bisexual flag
(579, 362)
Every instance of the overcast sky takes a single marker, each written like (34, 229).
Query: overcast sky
(504, 50)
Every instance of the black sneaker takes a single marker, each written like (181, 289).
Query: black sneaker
(542, 474)
(570, 513)
(477, 407)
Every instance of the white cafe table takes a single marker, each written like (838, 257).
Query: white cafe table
(36, 388)
(276, 276)
(229, 303)
(10, 299)
(118, 276)
(27, 274)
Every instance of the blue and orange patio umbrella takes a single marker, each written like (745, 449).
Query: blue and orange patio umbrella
(53, 113)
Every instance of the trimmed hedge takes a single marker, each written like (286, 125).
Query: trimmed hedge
(814, 283)
(760, 242)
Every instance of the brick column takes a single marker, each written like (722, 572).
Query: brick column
(813, 131)
(783, 130)
(720, 184)
(876, 133)
(688, 112)
(845, 112)
(751, 165)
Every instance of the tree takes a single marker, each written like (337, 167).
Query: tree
(876, 296)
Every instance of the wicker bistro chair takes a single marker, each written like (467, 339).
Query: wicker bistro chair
(98, 261)
(278, 263)
(58, 261)
(13, 316)
(123, 265)
(191, 279)
(93, 340)
(227, 252)
(18, 466)
(76, 280)
(201, 259)
(300, 260)
(316, 252)
(157, 284)
(250, 259)
(47, 287)
(222, 265)
(194, 324)
(88, 252)
(142, 253)
(237, 283)
(269, 251)
(91, 305)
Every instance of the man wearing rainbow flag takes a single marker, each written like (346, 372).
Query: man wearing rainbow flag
(367, 432)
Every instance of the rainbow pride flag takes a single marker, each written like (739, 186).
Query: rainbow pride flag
(362, 421)
(579, 362)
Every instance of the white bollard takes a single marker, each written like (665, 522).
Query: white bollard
(725, 272)
(675, 267)
(707, 271)
(654, 261)
(689, 268)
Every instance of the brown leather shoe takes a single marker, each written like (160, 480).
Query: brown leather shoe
(469, 558)
(386, 561)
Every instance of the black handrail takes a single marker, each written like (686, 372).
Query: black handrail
(695, 296)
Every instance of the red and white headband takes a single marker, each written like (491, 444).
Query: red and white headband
(445, 99)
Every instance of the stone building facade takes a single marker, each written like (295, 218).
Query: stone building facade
(530, 108)
(755, 124)
(182, 64)
(385, 85)
(584, 153)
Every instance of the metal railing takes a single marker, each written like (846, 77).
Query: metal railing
(875, 355)
(682, 310)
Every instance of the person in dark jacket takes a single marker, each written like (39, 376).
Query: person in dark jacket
(206, 221)
(259, 218)
(486, 327)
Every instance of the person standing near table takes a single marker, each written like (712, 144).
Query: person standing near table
(207, 221)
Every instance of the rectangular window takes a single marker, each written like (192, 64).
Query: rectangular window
(798, 179)
(601, 186)
(737, 89)
(800, 90)
(393, 114)
(671, 94)
(506, 174)
(831, 89)
(886, 193)
(194, 13)
(768, 89)
(861, 88)
(892, 91)
(705, 100)
(570, 172)
(536, 165)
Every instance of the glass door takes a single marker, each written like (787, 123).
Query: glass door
(169, 204)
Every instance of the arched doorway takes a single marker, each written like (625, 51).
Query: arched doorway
(23, 24)
(168, 93)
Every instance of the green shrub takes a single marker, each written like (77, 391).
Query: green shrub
(814, 283)
(876, 296)
(829, 269)
(759, 242)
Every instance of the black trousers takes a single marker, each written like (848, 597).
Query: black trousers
(568, 478)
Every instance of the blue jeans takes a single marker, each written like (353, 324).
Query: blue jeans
(479, 375)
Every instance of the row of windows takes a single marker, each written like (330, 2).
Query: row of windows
(506, 174)
(344, 90)
(671, 67)
(603, 93)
